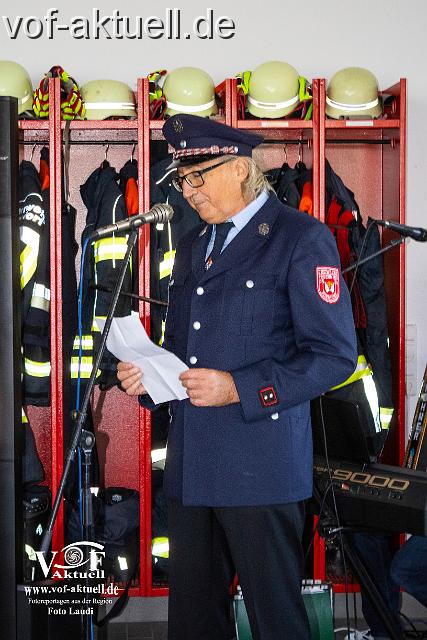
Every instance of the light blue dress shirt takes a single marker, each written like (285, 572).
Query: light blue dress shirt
(239, 220)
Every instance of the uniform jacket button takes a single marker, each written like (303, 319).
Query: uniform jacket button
(193, 360)
(249, 284)
(274, 416)
(200, 291)
(196, 325)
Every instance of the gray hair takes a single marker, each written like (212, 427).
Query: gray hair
(255, 183)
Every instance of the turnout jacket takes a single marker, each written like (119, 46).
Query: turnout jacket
(266, 312)
(35, 286)
(105, 205)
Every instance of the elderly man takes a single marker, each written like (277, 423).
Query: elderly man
(259, 312)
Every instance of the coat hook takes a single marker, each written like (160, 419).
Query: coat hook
(133, 151)
(300, 151)
(32, 152)
(285, 149)
(106, 152)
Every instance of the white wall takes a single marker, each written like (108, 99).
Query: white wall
(386, 36)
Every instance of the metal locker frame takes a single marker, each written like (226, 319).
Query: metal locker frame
(316, 131)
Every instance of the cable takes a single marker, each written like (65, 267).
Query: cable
(316, 528)
(78, 385)
(78, 389)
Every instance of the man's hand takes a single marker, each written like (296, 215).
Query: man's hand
(209, 387)
(130, 378)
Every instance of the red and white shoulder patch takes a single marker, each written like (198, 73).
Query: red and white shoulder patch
(328, 284)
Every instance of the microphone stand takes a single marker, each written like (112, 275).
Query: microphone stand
(393, 243)
(126, 294)
(77, 436)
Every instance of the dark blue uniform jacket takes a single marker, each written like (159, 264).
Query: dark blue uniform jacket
(258, 314)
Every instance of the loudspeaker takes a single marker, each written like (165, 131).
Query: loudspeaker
(10, 368)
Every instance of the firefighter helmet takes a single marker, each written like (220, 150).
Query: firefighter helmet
(273, 90)
(353, 91)
(15, 81)
(107, 98)
(189, 90)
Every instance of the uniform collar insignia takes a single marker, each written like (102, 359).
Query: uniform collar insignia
(263, 229)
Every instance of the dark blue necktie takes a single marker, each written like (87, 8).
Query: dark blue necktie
(221, 232)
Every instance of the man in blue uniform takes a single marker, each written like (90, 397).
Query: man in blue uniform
(259, 312)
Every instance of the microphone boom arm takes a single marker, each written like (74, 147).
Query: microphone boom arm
(393, 243)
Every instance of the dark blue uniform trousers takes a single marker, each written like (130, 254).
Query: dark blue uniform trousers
(261, 543)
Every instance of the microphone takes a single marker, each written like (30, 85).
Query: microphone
(416, 233)
(158, 213)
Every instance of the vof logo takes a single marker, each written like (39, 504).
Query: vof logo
(78, 554)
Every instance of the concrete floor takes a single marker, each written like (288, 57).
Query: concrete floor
(146, 618)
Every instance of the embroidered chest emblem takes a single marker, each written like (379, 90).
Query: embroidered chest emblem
(328, 284)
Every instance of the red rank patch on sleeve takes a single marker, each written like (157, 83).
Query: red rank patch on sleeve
(268, 396)
(328, 284)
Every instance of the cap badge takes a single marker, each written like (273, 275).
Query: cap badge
(183, 144)
(264, 229)
(178, 126)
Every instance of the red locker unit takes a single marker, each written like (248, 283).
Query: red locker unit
(372, 163)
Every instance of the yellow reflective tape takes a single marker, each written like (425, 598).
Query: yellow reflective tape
(386, 414)
(109, 248)
(166, 264)
(112, 253)
(162, 337)
(362, 369)
(41, 291)
(105, 242)
(28, 265)
(86, 342)
(28, 257)
(372, 398)
(85, 366)
(95, 327)
(30, 553)
(40, 298)
(160, 547)
(36, 369)
(24, 418)
(158, 454)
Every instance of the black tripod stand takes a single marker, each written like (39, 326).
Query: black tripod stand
(329, 528)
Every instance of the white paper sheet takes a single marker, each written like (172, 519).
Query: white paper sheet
(129, 342)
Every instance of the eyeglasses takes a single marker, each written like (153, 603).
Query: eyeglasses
(195, 178)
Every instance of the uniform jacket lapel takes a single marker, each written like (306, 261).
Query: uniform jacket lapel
(247, 242)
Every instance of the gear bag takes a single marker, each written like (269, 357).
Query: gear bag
(116, 526)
